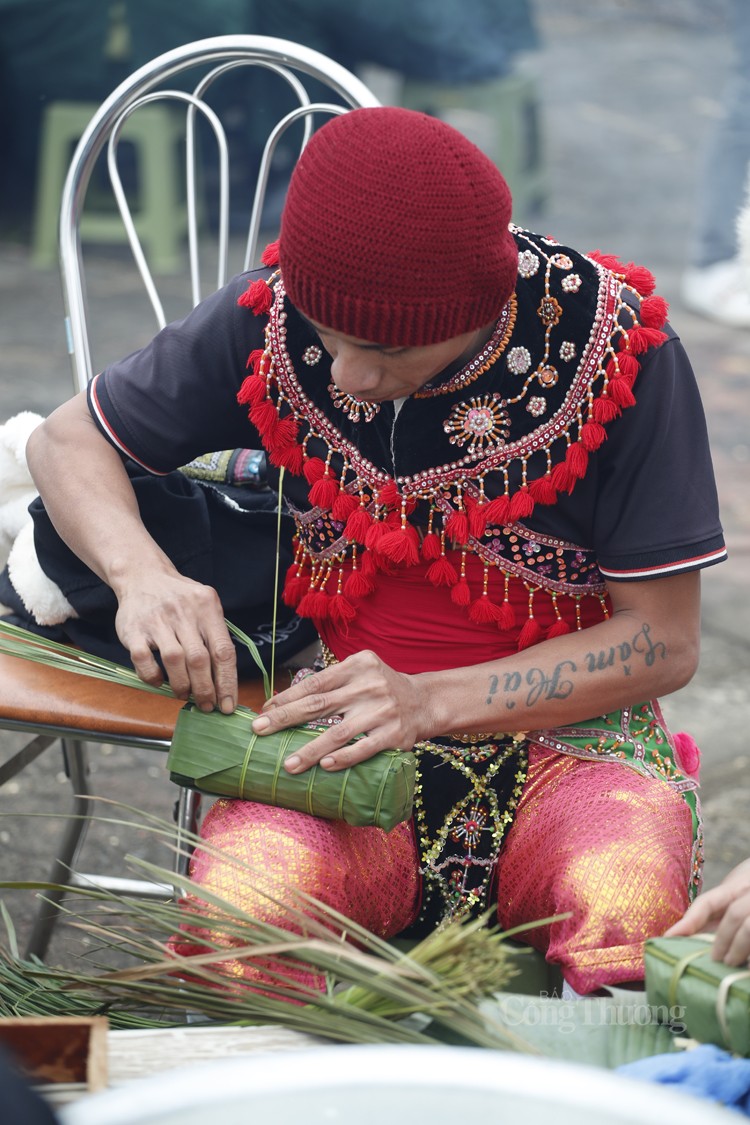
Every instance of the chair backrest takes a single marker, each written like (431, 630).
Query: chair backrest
(193, 72)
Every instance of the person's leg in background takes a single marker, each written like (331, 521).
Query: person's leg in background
(714, 284)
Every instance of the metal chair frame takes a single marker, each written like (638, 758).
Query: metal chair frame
(138, 719)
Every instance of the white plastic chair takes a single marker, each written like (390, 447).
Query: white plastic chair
(51, 705)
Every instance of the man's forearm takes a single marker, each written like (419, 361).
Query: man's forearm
(626, 659)
(89, 497)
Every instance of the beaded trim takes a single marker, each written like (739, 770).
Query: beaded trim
(636, 736)
(481, 363)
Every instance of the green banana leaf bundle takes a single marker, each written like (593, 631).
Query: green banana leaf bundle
(711, 999)
(219, 754)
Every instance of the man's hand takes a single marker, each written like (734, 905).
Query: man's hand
(372, 700)
(181, 621)
(160, 610)
(725, 909)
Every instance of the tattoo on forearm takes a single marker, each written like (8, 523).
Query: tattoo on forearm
(642, 644)
(544, 685)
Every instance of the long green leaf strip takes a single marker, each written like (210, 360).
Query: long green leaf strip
(15, 641)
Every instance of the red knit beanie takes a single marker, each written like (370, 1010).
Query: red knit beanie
(395, 230)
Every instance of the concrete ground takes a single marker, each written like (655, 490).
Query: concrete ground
(629, 91)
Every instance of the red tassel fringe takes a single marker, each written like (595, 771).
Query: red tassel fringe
(457, 527)
(430, 547)
(604, 409)
(640, 339)
(253, 360)
(258, 297)
(290, 457)
(324, 493)
(358, 585)
(497, 510)
(461, 594)
(295, 588)
(400, 546)
(483, 611)
(521, 505)
(252, 391)
(442, 573)
(357, 526)
(341, 609)
(389, 496)
(620, 393)
(543, 490)
(477, 514)
(577, 460)
(506, 617)
(593, 435)
(530, 635)
(315, 469)
(640, 278)
(264, 417)
(654, 311)
(344, 505)
(270, 256)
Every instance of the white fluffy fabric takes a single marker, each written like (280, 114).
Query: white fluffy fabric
(16, 486)
(43, 599)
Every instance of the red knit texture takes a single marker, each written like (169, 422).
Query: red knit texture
(395, 230)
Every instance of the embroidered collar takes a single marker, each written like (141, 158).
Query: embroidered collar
(558, 369)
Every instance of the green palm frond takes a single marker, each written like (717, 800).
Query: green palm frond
(453, 986)
(371, 987)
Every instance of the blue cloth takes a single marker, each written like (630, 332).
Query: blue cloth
(705, 1071)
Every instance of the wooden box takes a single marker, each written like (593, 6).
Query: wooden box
(68, 1051)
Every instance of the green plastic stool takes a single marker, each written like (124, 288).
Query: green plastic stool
(157, 134)
(502, 118)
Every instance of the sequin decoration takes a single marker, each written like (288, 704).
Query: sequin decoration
(478, 423)
(353, 408)
(547, 376)
(549, 311)
(567, 350)
(536, 406)
(519, 360)
(528, 263)
(470, 826)
(312, 355)
(562, 261)
(571, 283)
